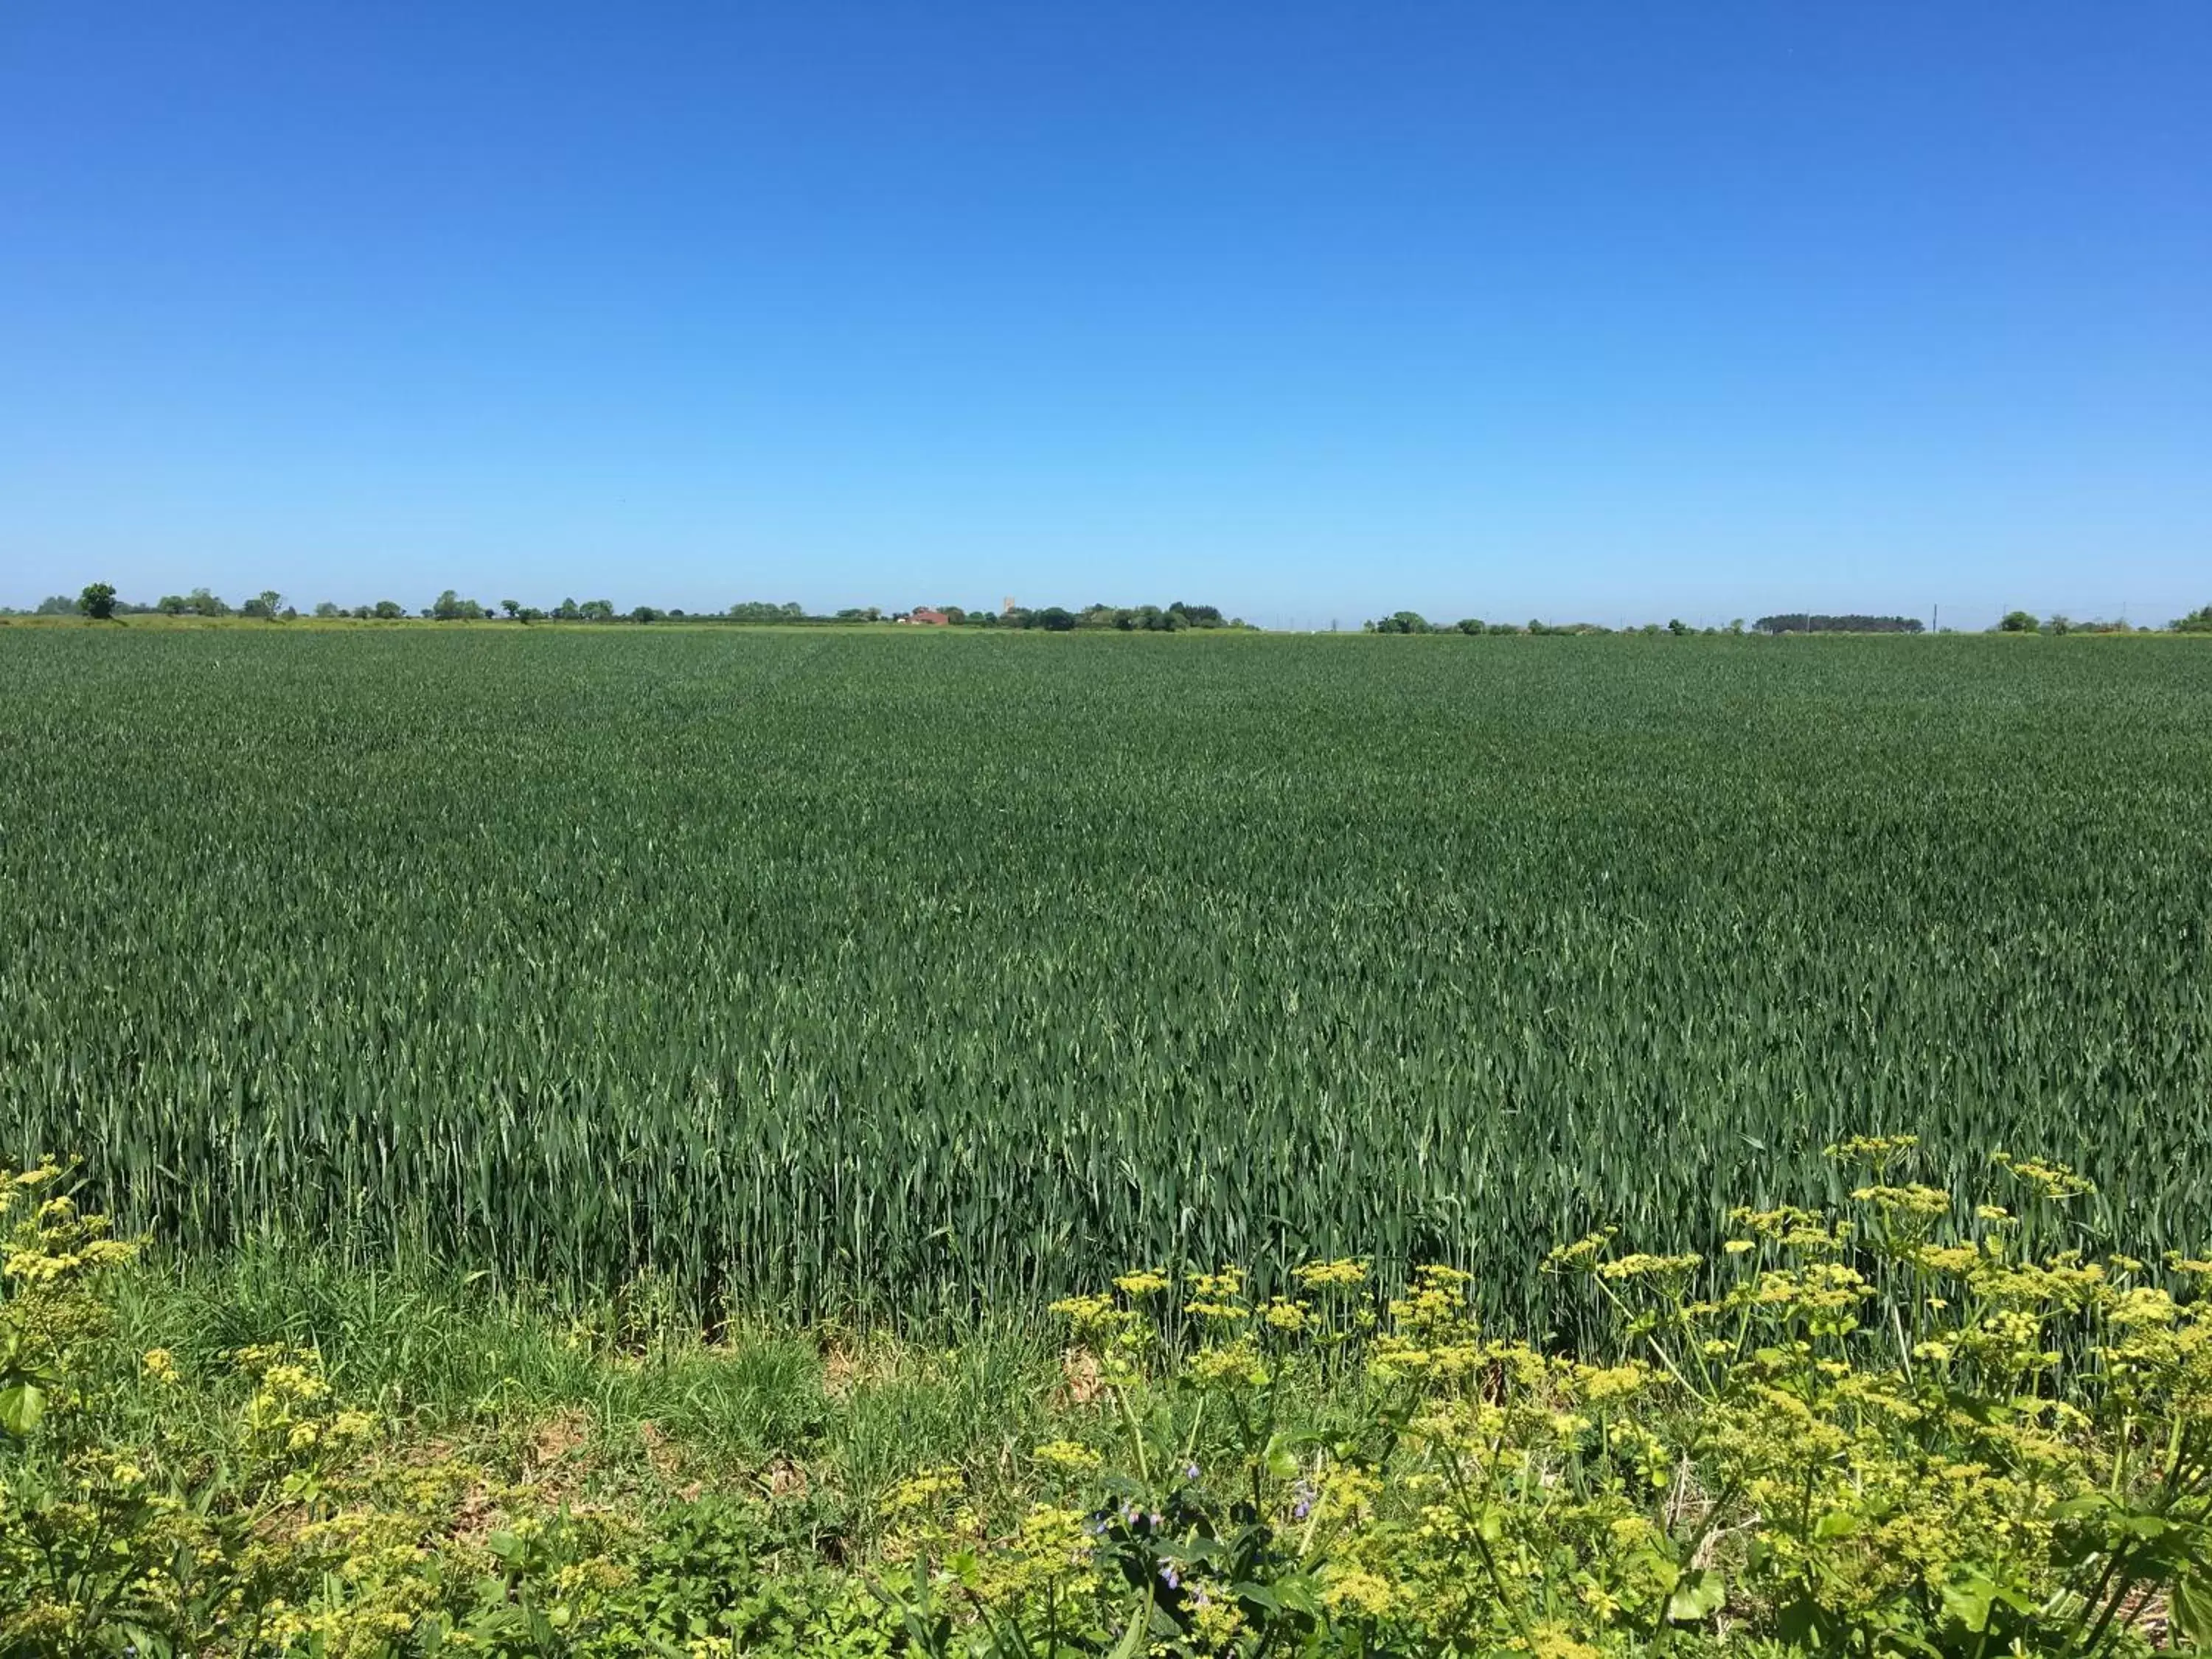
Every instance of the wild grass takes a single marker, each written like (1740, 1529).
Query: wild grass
(1906, 1425)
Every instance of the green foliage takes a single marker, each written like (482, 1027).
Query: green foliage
(2198, 621)
(1800, 622)
(449, 606)
(1905, 1423)
(1174, 618)
(97, 601)
(2019, 622)
(1898, 1428)
(199, 603)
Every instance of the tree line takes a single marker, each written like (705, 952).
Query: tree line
(2026, 622)
(99, 601)
(1795, 622)
(1412, 622)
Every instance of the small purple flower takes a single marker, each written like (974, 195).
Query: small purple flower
(1304, 1507)
(1169, 1577)
(1190, 1471)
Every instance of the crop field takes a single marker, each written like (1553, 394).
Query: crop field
(900, 972)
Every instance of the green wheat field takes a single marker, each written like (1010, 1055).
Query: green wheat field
(851, 971)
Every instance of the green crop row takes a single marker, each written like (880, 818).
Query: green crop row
(901, 972)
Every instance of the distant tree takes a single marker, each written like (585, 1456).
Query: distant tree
(1401, 622)
(202, 603)
(57, 604)
(596, 610)
(172, 604)
(1735, 625)
(2060, 623)
(1799, 622)
(646, 613)
(1470, 625)
(763, 612)
(326, 609)
(1501, 628)
(451, 607)
(513, 607)
(263, 606)
(1677, 627)
(389, 610)
(2198, 621)
(97, 601)
(1056, 620)
(2019, 622)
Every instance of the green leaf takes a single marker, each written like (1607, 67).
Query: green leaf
(1698, 1596)
(20, 1408)
(1300, 1593)
(1968, 1599)
(2191, 1602)
(1196, 1551)
(1133, 1639)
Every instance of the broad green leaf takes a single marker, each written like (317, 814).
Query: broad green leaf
(21, 1406)
(1697, 1595)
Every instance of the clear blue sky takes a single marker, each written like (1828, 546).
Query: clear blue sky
(1616, 311)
